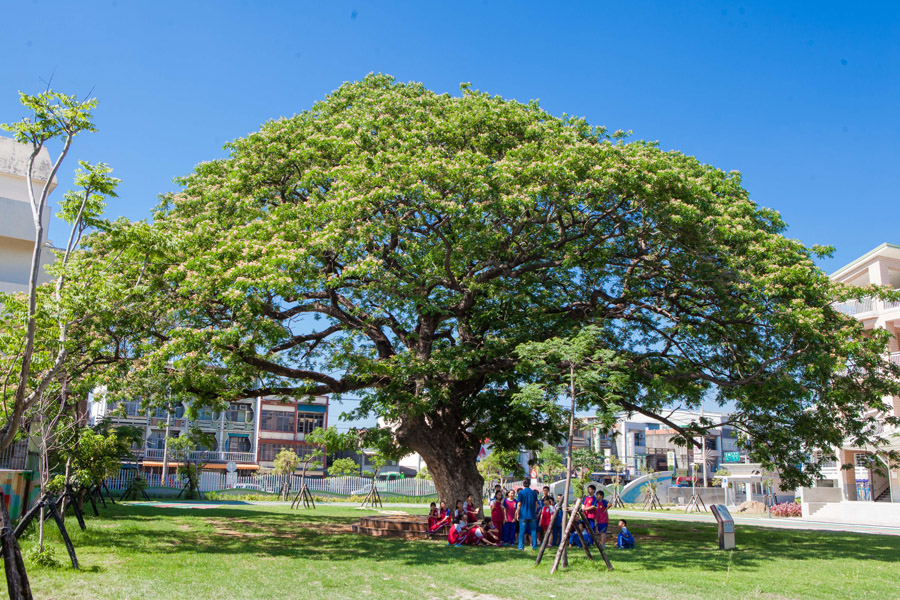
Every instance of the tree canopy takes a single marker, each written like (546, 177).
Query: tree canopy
(401, 244)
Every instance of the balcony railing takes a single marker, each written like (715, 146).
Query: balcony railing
(856, 307)
(207, 455)
(866, 305)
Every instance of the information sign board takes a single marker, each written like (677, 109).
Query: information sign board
(731, 457)
(726, 526)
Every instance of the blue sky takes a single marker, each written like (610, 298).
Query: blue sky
(803, 98)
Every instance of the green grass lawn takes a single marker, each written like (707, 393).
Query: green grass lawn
(251, 551)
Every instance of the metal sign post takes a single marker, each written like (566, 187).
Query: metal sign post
(726, 526)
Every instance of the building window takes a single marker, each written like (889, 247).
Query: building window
(277, 420)
(156, 440)
(306, 422)
(206, 414)
(239, 413)
(237, 444)
(268, 452)
(132, 407)
(710, 443)
(638, 438)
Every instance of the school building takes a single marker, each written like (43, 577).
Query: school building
(871, 479)
(249, 433)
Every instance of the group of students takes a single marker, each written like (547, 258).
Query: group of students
(522, 515)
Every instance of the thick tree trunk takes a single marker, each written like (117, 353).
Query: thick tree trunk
(451, 459)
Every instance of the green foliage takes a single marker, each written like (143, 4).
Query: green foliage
(95, 457)
(652, 484)
(342, 467)
(182, 448)
(327, 440)
(427, 237)
(500, 464)
(549, 462)
(42, 558)
(53, 115)
(286, 462)
(56, 484)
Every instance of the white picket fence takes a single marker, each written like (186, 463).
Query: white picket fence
(341, 486)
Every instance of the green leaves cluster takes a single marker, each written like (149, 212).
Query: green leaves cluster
(403, 245)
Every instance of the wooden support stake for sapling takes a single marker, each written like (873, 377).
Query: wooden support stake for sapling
(109, 493)
(93, 504)
(596, 538)
(546, 540)
(62, 530)
(564, 542)
(16, 578)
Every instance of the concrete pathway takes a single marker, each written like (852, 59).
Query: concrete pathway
(762, 521)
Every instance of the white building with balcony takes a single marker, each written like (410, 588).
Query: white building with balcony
(870, 479)
(16, 221)
(248, 433)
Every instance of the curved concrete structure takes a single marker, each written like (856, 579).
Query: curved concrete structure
(632, 492)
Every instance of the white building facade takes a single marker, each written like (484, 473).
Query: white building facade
(16, 221)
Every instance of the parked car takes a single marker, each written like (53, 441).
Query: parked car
(382, 484)
(253, 487)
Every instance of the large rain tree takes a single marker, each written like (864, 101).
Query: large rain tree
(400, 244)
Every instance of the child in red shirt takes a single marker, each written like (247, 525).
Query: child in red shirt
(546, 516)
(589, 503)
(458, 534)
(497, 512)
(491, 536)
(433, 515)
(459, 512)
(509, 525)
(602, 517)
(471, 509)
(443, 518)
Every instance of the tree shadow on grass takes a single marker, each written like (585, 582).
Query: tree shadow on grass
(247, 530)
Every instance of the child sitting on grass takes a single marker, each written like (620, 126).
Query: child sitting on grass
(625, 539)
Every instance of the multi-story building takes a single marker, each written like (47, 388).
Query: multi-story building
(17, 224)
(643, 443)
(871, 479)
(248, 433)
(286, 425)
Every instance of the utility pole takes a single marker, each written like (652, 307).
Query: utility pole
(165, 467)
(703, 454)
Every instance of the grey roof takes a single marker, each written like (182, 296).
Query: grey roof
(14, 159)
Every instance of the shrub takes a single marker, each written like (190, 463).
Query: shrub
(787, 509)
(42, 558)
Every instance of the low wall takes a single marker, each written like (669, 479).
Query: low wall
(855, 512)
(20, 491)
(820, 494)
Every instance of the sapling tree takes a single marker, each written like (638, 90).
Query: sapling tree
(286, 462)
(54, 117)
(549, 461)
(500, 464)
(188, 453)
(343, 467)
(324, 441)
(581, 368)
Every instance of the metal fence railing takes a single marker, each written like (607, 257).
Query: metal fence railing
(338, 486)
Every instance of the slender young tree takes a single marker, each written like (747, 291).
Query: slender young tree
(54, 117)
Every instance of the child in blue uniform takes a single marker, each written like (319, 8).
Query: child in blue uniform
(625, 539)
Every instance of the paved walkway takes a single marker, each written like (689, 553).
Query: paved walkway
(763, 521)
